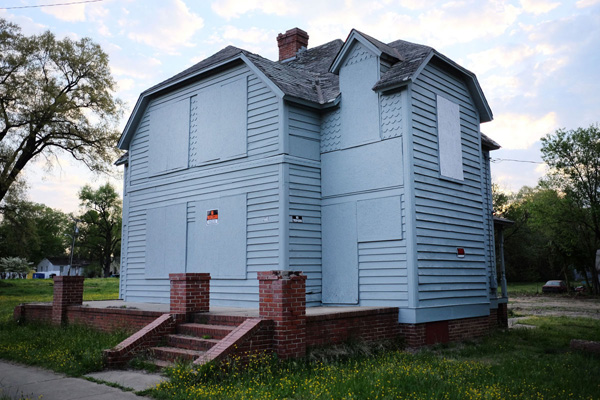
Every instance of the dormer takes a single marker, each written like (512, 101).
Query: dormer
(359, 64)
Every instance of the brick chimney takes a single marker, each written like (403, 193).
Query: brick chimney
(290, 42)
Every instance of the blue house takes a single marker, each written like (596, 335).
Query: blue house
(359, 163)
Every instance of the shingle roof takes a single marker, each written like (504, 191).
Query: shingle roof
(413, 56)
(307, 76)
(489, 143)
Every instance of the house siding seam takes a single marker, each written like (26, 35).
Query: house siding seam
(449, 214)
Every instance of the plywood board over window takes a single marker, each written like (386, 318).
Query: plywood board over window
(166, 233)
(217, 239)
(222, 121)
(169, 137)
(449, 136)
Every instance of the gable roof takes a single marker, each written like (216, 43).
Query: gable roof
(311, 77)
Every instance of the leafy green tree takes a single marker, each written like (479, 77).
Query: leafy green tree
(32, 231)
(574, 160)
(55, 96)
(100, 234)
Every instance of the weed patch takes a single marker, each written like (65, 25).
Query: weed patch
(519, 364)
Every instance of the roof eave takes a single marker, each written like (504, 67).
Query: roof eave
(307, 103)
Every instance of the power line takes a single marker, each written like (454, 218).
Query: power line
(494, 160)
(52, 5)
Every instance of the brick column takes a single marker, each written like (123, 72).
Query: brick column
(190, 293)
(68, 291)
(282, 296)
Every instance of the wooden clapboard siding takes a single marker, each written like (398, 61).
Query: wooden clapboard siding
(262, 121)
(260, 184)
(488, 211)
(256, 175)
(305, 237)
(449, 214)
(304, 130)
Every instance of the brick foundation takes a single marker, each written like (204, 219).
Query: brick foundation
(103, 319)
(455, 330)
(190, 292)
(282, 296)
(68, 291)
(363, 325)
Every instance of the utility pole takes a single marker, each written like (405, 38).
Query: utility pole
(75, 232)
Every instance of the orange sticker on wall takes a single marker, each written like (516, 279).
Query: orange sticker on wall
(212, 217)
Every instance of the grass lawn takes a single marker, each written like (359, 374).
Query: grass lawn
(519, 364)
(74, 350)
(524, 288)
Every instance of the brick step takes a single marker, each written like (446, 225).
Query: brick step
(199, 330)
(229, 320)
(173, 354)
(161, 363)
(190, 342)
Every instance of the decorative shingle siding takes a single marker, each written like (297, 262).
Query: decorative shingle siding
(391, 115)
(359, 54)
(449, 214)
(331, 131)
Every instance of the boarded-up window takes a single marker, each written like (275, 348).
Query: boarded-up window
(222, 121)
(451, 161)
(217, 241)
(165, 240)
(169, 137)
(379, 219)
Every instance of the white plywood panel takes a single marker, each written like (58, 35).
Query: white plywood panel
(340, 254)
(169, 137)
(218, 246)
(165, 241)
(373, 166)
(451, 160)
(379, 219)
(222, 119)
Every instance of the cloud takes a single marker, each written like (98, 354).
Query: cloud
(586, 3)
(166, 28)
(69, 13)
(136, 66)
(235, 8)
(538, 7)
(252, 35)
(501, 57)
(28, 25)
(520, 131)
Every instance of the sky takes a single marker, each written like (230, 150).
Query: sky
(537, 61)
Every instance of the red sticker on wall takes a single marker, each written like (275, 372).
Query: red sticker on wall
(212, 217)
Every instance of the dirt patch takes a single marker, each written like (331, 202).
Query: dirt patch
(555, 306)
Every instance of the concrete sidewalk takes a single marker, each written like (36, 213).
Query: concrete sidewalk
(19, 381)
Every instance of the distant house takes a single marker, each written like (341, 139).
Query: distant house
(359, 163)
(60, 266)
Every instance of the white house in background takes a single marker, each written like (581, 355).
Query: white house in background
(60, 266)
